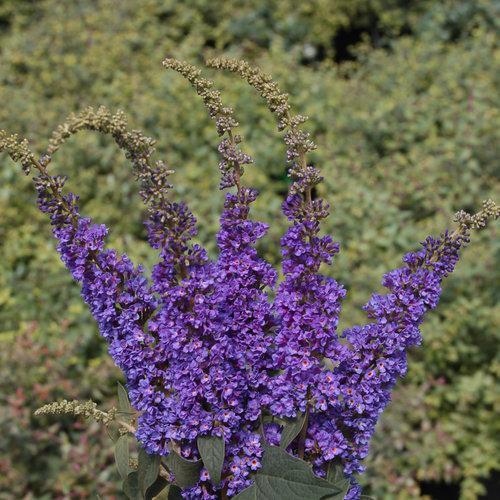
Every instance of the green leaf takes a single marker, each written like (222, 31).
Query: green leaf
(131, 487)
(291, 430)
(283, 477)
(174, 492)
(124, 406)
(335, 472)
(262, 433)
(249, 493)
(187, 472)
(344, 486)
(156, 488)
(122, 456)
(366, 497)
(338, 496)
(335, 475)
(149, 467)
(171, 492)
(113, 431)
(211, 449)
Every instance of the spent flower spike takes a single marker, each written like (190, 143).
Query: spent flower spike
(217, 348)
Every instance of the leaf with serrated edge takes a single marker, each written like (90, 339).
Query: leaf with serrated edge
(283, 477)
(148, 469)
(186, 472)
(211, 450)
(291, 430)
(122, 456)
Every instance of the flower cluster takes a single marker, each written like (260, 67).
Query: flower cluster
(117, 292)
(212, 350)
(374, 355)
(307, 306)
(206, 348)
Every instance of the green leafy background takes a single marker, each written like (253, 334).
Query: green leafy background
(403, 102)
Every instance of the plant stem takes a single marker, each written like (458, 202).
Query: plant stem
(128, 427)
(303, 434)
(236, 166)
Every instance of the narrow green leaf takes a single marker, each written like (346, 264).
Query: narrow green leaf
(186, 472)
(291, 430)
(149, 467)
(122, 456)
(212, 451)
(124, 405)
(366, 497)
(131, 487)
(335, 472)
(262, 432)
(335, 475)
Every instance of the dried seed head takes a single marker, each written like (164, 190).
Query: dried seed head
(233, 159)
(86, 409)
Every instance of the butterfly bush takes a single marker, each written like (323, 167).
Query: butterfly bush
(219, 347)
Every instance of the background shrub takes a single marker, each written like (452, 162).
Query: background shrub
(52, 458)
(403, 104)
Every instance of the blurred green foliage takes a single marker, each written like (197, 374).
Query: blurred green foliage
(47, 458)
(403, 103)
